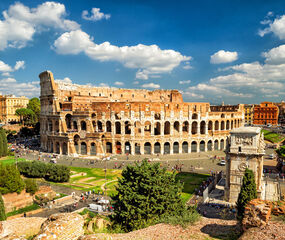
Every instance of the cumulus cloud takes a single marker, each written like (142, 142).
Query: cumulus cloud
(12, 86)
(66, 80)
(148, 60)
(223, 57)
(20, 22)
(150, 85)
(277, 27)
(6, 69)
(95, 15)
(119, 83)
(185, 82)
(275, 55)
(19, 65)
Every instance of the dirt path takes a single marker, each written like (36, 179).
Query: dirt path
(103, 186)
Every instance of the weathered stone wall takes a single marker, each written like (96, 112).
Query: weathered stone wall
(95, 121)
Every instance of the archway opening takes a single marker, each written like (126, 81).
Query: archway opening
(166, 148)
(202, 146)
(175, 147)
(147, 148)
(194, 146)
(118, 147)
(157, 148)
(83, 148)
(93, 151)
(210, 145)
(157, 128)
(166, 128)
(194, 128)
(118, 127)
(128, 149)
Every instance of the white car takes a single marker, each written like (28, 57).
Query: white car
(95, 208)
(223, 162)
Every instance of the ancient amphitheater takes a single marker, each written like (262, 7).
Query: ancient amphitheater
(84, 120)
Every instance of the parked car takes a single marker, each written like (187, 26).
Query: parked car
(223, 162)
(95, 208)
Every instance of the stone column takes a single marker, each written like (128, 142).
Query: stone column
(60, 148)
(162, 128)
(180, 127)
(161, 148)
(152, 129)
(122, 128)
(113, 128)
(198, 146)
(152, 149)
(189, 148)
(206, 130)
(171, 128)
(180, 148)
(132, 148)
(171, 148)
(142, 148)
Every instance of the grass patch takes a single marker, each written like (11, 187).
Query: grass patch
(271, 136)
(191, 182)
(10, 160)
(23, 210)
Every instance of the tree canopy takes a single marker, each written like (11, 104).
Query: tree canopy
(35, 105)
(145, 193)
(31, 114)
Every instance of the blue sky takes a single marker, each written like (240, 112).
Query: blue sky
(212, 51)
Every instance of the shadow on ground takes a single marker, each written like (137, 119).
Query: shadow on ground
(225, 232)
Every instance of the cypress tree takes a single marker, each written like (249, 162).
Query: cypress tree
(2, 209)
(5, 142)
(247, 192)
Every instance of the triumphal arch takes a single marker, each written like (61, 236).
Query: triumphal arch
(85, 120)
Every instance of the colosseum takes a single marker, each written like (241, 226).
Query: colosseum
(84, 120)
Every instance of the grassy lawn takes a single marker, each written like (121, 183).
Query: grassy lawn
(271, 136)
(22, 210)
(10, 160)
(191, 181)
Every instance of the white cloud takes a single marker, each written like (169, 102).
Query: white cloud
(5, 67)
(150, 85)
(12, 86)
(66, 80)
(19, 65)
(103, 85)
(185, 82)
(275, 55)
(20, 22)
(223, 57)
(277, 27)
(6, 74)
(95, 15)
(119, 83)
(187, 66)
(148, 60)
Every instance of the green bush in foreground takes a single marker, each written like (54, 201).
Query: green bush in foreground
(31, 186)
(145, 194)
(2, 209)
(247, 192)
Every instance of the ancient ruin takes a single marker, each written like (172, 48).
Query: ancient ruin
(86, 120)
(245, 149)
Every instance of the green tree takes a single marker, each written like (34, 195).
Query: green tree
(27, 116)
(1, 145)
(4, 142)
(247, 192)
(2, 209)
(31, 186)
(146, 193)
(35, 105)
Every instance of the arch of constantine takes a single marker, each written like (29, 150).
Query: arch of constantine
(84, 120)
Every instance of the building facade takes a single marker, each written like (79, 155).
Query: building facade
(266, 113)
(8, 106)
(84, 120)
(245, 149)
(248, 114)
(281, 116)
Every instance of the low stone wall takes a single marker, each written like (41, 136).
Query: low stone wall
(28, 214)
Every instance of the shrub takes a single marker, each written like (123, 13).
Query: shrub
(146, 193)
(2, 209)
(247, 192)
(51, 172)
(31, 186)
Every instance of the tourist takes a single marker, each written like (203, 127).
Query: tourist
(25, 215)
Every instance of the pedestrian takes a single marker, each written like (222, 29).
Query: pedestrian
(25, 215)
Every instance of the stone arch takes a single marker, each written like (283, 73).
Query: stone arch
(185, 127)
(210, 145)
(56, 126)
(147, 127)
(216, 145)
(157, 128)
(232, 124)
(93, 150)
(57, 147)
(137, 148)
(210, 125)
(128, 149)
(222, 144)
(93, 115)
(222, 115)
(185, 147)
(195, 116)
(127, 127)
(109, 148)
(94, 125)
(108, 126)
(157, 148)
(235, 123)
(118, 147)
(176, 127)
(216, 125)
(167, 128)
(137, 126)
(147, 148)
(176, 147)
(100, 126)
(202, 146)
(166, 148)
(83, 125)
(68, 120)
(222, 125)
(118, 127)
(194, 129)
(203, 127)
(194, 146)
(228, 125)
(75, 127)
(64, 148)
(76, 140)
(83, 148)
